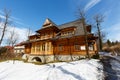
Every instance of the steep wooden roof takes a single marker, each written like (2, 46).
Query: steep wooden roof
(48, 24)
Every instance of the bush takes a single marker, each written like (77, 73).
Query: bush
(114, 50)
(107, 50)
(117, 50)
(2, 50)
(96, 56)
(7, 55)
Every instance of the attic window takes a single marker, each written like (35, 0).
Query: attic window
(67, 33)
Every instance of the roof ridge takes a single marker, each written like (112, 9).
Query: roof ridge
(48, 21)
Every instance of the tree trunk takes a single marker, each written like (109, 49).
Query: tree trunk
(100, 39)
(5, 23)
(86, 38)
(4, 28)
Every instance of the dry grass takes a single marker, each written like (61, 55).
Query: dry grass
(10, 56)
(115, 49)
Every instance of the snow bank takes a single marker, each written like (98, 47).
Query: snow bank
(77, 70)
(105, 53)
(115, 63)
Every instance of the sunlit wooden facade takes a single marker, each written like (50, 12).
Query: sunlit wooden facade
(65, 39)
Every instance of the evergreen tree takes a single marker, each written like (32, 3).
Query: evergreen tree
(109, 43)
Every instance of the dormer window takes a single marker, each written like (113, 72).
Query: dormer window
(67, 33)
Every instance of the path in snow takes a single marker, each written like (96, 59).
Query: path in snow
(111, 67)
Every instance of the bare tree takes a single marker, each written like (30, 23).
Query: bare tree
(98, 20)
(5, 23)
(12, 38)
(28, 33)
(11, 41)
(81, 15)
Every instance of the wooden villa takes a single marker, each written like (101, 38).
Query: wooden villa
(61, 42)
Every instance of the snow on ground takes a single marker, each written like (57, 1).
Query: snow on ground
(77, 70)
(114, 61)
(116, 65)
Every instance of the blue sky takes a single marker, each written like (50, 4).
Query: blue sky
(32, 13)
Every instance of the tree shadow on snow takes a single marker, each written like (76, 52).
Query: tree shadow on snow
(69, 73)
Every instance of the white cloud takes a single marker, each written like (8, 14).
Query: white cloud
(13, 19)
(20, 23)
(20, 32)
(114, 32)
(114, 28)
(1, 16)
(1, 12)
(90, 4)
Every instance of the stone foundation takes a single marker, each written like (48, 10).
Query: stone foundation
(50, 58)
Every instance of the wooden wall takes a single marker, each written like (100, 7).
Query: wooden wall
(28, 48)
(42, 48)
(68, 47)
(65, 46)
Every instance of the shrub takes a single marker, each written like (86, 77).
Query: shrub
(96, 56)
(7, 55)
(107, 49)
(2, 50)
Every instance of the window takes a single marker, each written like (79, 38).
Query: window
(70, 32)
(20, 50)
(48, 35)
(43, 35)
(73, 32)
(43, 47)
(66, 33)
(82, 48)
(51, 34)
(77, 47)
(60, 47)
(33, 48)
(91, 47)
(48, 47)
(38, 47)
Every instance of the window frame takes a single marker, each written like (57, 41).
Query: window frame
(77, 47)
(43, 47)
(61, 47)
